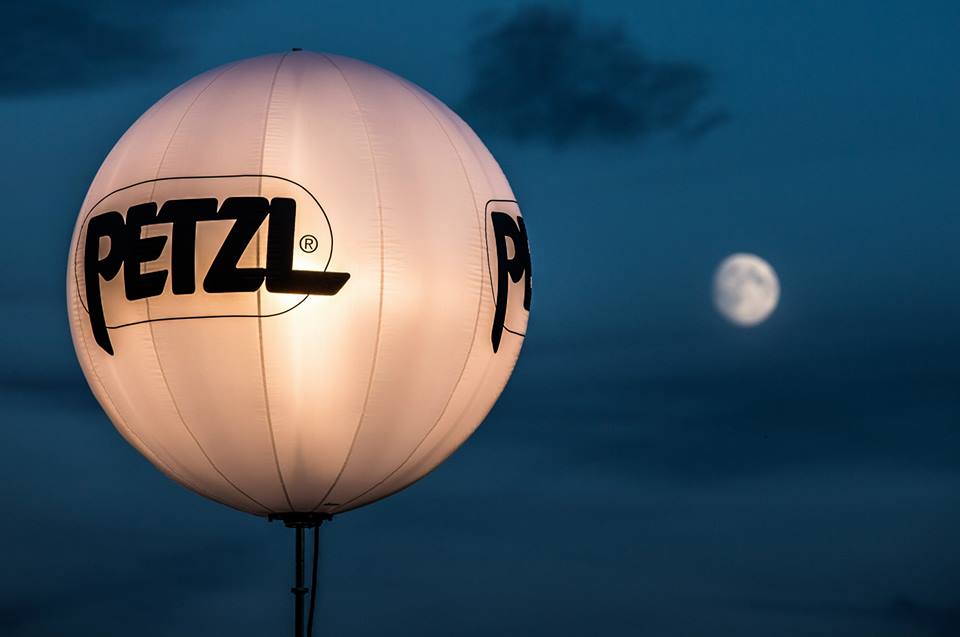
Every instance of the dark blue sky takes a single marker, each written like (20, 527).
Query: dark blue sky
(650, 469)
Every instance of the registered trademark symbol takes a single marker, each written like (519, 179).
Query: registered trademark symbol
(308, 243)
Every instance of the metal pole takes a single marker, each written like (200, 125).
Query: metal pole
(299, 522)
(315, 554)
(298, 589)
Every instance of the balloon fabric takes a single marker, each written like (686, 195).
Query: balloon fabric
(298, 283)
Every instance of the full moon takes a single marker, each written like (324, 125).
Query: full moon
(745, 289)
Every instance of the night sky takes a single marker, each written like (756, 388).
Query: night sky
(650, 469)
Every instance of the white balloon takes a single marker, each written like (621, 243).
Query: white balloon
(298, 283)
(745, 289)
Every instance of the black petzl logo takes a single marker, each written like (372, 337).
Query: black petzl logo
(511, 253)
(129, 250)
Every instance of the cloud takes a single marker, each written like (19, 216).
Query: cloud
(153, 580)
(56, 46)
(923, 618)
(15, 614)
(69, 389)
(938, 619)
(544, 74)
(607, 403)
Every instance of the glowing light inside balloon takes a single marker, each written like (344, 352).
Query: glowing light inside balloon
(298, 283)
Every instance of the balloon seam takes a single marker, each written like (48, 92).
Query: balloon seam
(469, 136)
(376, 347)
(146, 450)
(153, 338)
(476, 320)
(486, 368)
(263, 364)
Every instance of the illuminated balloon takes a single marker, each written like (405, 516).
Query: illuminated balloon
(298, 283)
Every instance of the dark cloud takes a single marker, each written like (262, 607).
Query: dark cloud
(68, 389)
(149, 582)
(55, 46)
(15, 614)
(940, 620)
(736, 413)
(546, 74)
(921, 617)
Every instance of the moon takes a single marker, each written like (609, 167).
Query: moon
(745, 289)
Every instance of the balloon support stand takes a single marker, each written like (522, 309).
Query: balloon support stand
(299, 522)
